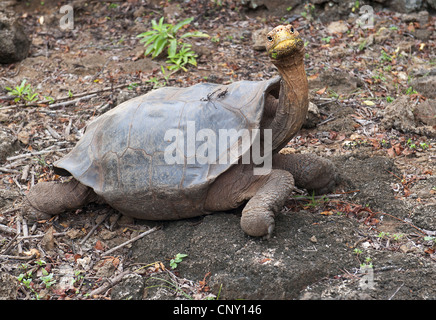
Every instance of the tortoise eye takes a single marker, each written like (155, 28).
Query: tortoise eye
(270, 38)
(292, 29)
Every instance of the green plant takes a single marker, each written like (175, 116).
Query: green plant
(26, 279)
(385, 56)
(177, 60)
(23, 92)
(357, 251)
(177, 259)
(383, 234)
(164, 35)
(362, 45)
(332, 94)
(411, 144)
(430, 238)
(309, 10)
(367, 263)
(327, 39)
(171, 285)
(411, 91)
(47, 278)
(423, 145)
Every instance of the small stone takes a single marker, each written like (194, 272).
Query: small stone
(313, 239)
(259, 39)
(337, 27)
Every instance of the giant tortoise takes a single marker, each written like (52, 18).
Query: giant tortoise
(176, 153)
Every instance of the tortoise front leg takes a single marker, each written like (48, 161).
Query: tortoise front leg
(266, 194)
(316, 174)
(259, 213)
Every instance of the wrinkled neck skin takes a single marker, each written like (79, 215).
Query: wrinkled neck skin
(293, 100)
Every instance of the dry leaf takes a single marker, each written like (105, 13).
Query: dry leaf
(313, 76)
(321, 91)
(116, 262)
(327, 213)
(98, 245)
(47, 242)
(33, 252)
(369, 103)
(429, 251)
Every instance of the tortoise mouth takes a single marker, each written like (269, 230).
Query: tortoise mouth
(286, 47)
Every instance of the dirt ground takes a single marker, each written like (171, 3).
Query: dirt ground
(373, 238)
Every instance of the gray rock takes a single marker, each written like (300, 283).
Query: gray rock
(14, 43)
(8, 144)
(432, 3)
(425, 112)
(130, 288)
(8, 286)
(425, 86)
(406, 116)
(406, 6)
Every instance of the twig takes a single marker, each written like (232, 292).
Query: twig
(7, 170)
(94, 228)
(67, 103)
(20, 249)
(25, 173)
(78, 97)
(9, 211)
(53, 132)
(31, 154)
(115, 221)
(9, 245)
(2, 256)
(56, 234)
(396, 291)
(7, 229)
(325, 196)
(111, 282)
(325, 121)
(25, 229)
(130, 241)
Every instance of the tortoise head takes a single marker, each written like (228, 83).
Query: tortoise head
(283, 42)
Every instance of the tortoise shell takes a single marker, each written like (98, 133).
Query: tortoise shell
(123, 154)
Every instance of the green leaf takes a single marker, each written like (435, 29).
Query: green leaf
(149, 40)
(172, 49)
(181, 24)
(197, 34)
(148, 50)
(159, 46)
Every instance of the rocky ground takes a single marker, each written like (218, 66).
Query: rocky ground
(373, 114)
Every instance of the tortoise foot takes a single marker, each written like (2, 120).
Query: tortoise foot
(258, 223)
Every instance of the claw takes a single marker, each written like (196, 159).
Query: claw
(33, 215)
(269, 234)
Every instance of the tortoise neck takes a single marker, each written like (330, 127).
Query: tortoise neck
(293, 100)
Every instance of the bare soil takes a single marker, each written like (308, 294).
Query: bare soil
(382, 215)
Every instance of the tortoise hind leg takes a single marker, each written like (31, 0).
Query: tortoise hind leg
(52, 198)
(316, 174)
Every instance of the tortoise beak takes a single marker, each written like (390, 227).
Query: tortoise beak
(283, 41)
